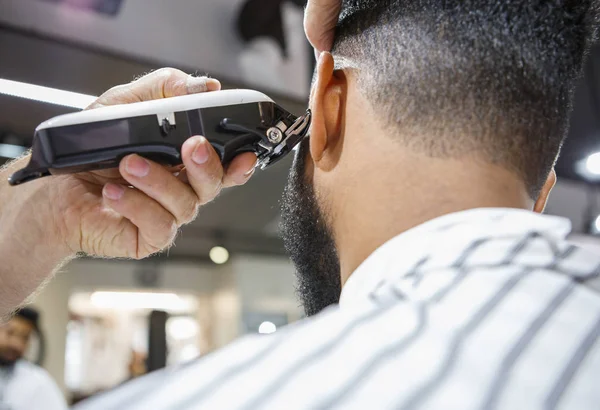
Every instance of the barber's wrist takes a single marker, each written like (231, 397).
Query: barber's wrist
(28, 212)
(30, 249)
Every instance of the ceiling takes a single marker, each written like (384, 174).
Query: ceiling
(268, 51)
(243, 219)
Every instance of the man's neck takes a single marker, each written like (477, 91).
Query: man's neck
(412, 190)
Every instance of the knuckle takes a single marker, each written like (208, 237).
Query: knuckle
(190, 213)
(210, 191)
(168, 239)
(171, 81)
(141, 254)
(158, 181)
(218, 187)
(163, 236)
(167, 227)
(208, 176)
(167, 72)
(169, 75)
(214, 176)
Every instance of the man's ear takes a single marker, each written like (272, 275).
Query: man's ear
(542, 200)
(327, 104)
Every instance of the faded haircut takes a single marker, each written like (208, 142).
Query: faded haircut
(492, 79)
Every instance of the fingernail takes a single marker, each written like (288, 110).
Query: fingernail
(113, 191)
(250, 172)
(201, 153)
(137, 166)
(202, 84)
(212, 84)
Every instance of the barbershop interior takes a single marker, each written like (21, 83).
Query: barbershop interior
(101, 322)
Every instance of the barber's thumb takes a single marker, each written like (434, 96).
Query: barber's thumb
(174, 87)
(170, 82)
(201, 84)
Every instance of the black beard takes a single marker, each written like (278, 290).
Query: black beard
(309, 241)
(7, 363)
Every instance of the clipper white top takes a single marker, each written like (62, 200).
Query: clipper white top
(163, 108)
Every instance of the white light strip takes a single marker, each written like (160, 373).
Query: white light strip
(11, 151)
(45, 94)
(138, 300)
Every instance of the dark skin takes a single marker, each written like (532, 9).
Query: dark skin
(14, 339)
(354, 167)
(344, 197)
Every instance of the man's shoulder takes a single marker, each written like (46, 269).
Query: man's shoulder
(41, 388)
(32, 372)
(349, 355)
(26, 367)
(253, 359)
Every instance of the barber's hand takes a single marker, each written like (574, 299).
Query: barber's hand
(135, 211)
(320, 20)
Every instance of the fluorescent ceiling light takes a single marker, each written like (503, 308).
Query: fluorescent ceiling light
(45, 94)
(11, 151)
(182, 328)
(266, 328)
(593, 164)
(139, 300)
(589, 168)
(219, 255)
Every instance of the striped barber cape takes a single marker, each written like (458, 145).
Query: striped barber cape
(482, 309)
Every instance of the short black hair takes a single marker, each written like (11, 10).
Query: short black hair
(29, 314)
(492, 79)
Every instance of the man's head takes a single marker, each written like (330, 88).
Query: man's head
(487, 78)
(16, 334)
(431, 106)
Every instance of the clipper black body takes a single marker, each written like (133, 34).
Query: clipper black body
(233, 121)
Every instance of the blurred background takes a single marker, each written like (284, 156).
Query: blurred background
(104, 322)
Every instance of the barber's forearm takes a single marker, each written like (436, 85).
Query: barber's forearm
(30, 251)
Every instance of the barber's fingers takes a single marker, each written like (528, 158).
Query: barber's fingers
(320, 20)
(170, 82)
(204, 172)
(163, 83)
(155, 226)
(159, 183)
(160, 201)
(240, 170)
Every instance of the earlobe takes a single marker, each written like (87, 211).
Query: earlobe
(326, 105)
(542, 200)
